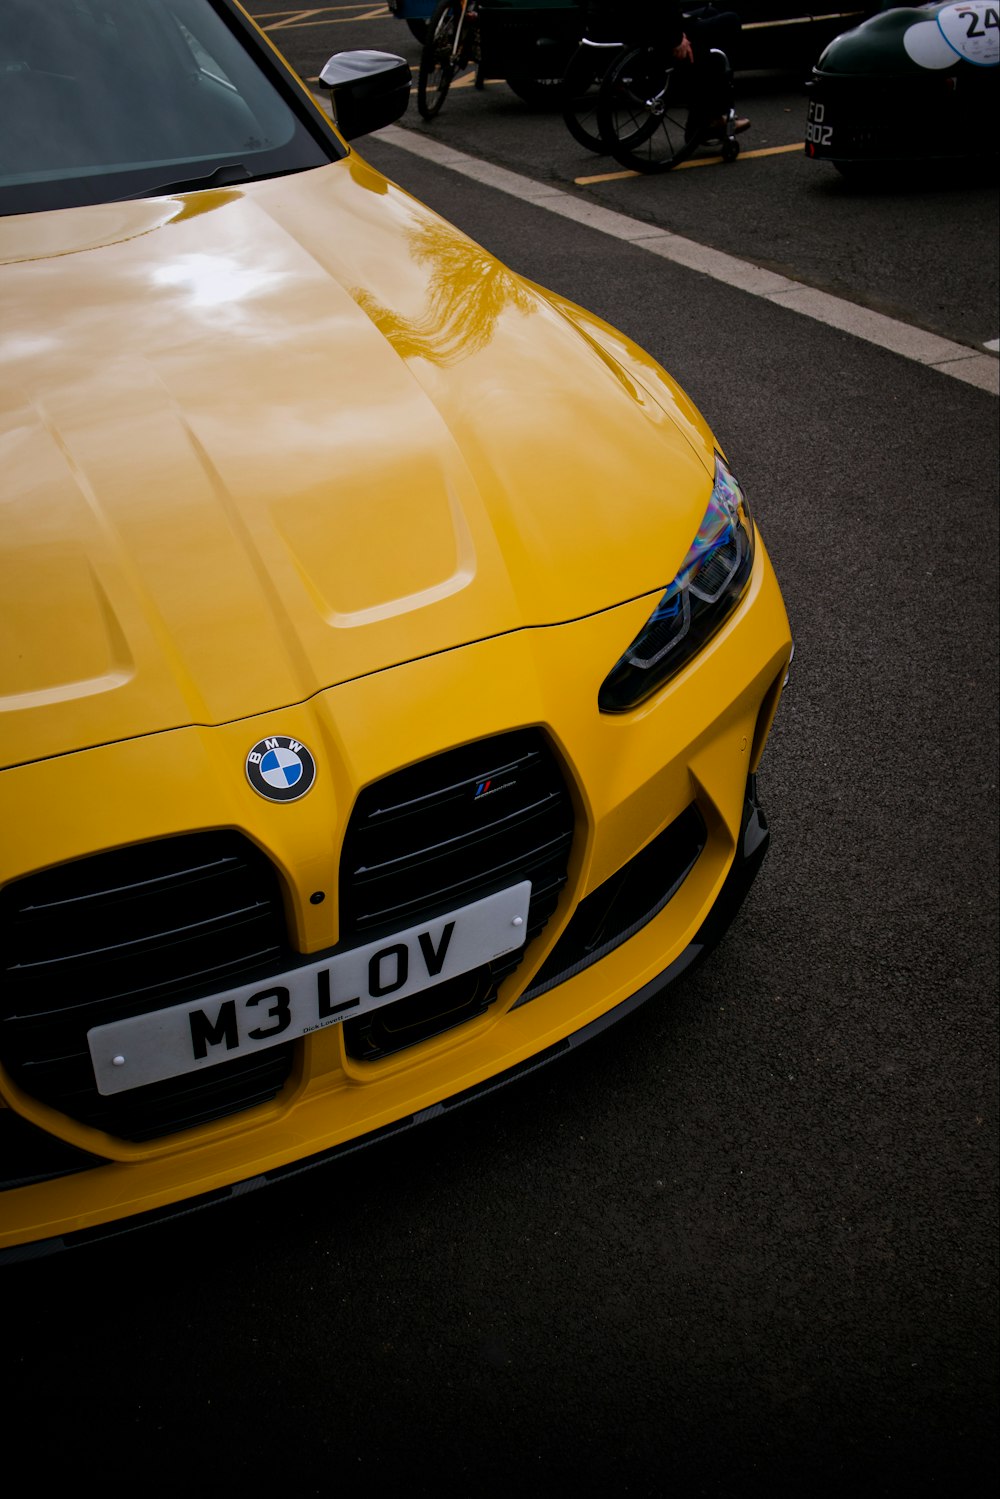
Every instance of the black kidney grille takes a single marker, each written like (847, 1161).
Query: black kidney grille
(123, 933)
(439, 835)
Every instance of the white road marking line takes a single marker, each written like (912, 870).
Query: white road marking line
(942, 354)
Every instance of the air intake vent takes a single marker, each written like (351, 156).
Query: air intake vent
(624, 903)
(123, 933)
(439, 835)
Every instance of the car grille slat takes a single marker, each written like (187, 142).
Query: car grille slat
(200, 1097)
(149, 943)
(439, 835)
(206, 979)
(123, 933)
(461, 891)
(138, 888)
(471, 768)
(460, 846)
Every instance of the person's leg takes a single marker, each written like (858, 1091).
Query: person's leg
(720, 30)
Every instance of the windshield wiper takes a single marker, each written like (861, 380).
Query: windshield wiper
(224, 176)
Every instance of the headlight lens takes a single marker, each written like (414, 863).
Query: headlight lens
(711, 581)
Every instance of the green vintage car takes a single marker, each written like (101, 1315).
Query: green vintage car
(911, 85)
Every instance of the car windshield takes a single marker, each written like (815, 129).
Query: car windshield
(108, 99)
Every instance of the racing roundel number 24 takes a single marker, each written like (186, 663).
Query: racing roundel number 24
(973, 31)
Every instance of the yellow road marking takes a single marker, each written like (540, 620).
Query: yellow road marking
(772, 151)
(604, 177)
(701, 161)
(296, 21)
(711, 161)
(316, 10)
(292, 19)
(835, 15)
(467, 80)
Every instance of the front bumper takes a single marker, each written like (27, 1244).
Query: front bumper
(695, 745)
(750, 852)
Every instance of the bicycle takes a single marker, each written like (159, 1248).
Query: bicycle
(452, 46)
(646, 115)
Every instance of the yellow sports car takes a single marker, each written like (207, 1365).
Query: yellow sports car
(387, 647)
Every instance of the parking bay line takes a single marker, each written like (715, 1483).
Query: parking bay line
(298, 20)
(942, 354)
(697, 161)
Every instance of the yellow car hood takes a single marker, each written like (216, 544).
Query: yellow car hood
(256, 443)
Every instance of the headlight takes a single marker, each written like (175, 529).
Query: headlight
(709, 585)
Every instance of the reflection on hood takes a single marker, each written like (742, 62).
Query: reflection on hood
(468, 290)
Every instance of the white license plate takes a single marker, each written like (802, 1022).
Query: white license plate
(186, 1037)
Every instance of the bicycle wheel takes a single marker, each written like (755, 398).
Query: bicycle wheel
(437, 64)
(643, 112)
(585, 72)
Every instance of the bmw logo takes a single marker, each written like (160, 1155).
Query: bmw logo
(280, 769)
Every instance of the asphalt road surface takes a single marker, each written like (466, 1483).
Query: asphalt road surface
(746, 1241)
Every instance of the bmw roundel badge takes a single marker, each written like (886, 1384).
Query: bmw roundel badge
(280, 768)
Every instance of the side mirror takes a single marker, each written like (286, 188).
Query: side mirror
(369, 90)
